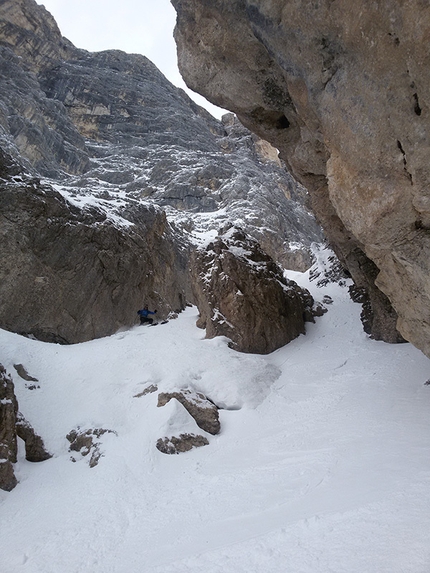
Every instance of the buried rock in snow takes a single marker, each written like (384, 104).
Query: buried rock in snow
(184, 443)
(84, 442)
(242, 294)
(204, 412)
(179, 430)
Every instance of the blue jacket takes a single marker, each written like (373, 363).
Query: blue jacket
(144, 312)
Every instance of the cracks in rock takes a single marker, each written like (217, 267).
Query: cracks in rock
(405, 164)
(417, 108)
(331, 52)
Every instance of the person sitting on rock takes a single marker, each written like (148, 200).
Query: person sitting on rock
(143, 313)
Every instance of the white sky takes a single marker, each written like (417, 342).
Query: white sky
(134, 26)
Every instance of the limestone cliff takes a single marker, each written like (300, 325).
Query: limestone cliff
(111, 124)
(342, 90)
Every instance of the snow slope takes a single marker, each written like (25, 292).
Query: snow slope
(322, 464)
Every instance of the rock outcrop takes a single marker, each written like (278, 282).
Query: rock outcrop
(86, 442)
(70, 274)
(242, 294)
(180, 444)
(14, 425)
(115, 143)
(342, 90)
(8, 440)
(204, 412)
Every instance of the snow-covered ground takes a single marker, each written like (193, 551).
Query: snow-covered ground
(322, 464)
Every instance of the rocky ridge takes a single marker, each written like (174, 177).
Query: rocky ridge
(341, 89)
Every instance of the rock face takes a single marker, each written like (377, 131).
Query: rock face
(14, 425)
(342, 90)
(114, 142)
(8, 441)
(110, 122)
(242, 294)
(70, 274)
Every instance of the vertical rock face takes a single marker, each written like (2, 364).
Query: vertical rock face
(116, 143)
(70, 275)
(342, 90)
(8, 438)
(14, 425)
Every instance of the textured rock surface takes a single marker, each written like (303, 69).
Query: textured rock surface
(14, 425)
(114, 142)
(87, 442)
(35, 450)
(341, 89)
(71, 274)
(110, 124)
(242, 294)
(8, 438)
(204, 412)
(180, 444)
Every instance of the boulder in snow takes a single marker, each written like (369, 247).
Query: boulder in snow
(242, 294)
(204, 412)
(85, 442)
(183, 443)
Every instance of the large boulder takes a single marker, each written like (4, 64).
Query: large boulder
(242, 294)
(342, 90)
(70, 274)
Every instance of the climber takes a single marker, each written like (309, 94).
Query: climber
(143, 313)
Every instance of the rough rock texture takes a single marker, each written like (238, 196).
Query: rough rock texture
(183, 443)
(342, 90)
(8, 439)
(86, 442)
(242, 294)
(14, 425)
(117, 141)
(204, 412)
(70, 274)
(35, 450)
(110, 124)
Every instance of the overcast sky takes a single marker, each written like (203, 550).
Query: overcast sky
(135, 26)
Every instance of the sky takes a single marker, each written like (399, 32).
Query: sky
(134, 26)
(321, 464)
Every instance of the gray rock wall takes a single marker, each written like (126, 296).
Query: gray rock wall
(342, 90)
(71, 274)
